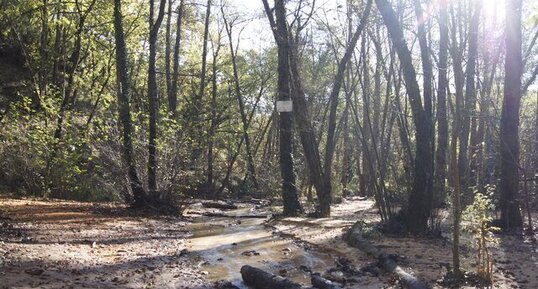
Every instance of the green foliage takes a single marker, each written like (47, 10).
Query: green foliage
(477, 221)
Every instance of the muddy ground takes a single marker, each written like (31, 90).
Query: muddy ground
(62, 244)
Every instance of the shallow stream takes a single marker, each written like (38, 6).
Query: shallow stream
(228, 243)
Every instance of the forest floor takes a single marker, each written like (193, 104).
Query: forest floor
(61, 244)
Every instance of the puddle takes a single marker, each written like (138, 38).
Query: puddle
(228, 243)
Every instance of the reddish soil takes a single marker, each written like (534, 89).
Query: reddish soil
(83, 245)
(61, 244)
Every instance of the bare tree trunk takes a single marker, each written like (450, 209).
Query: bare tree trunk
(289, 190)
(124, 91)
(536, 146)
(43, 49)
(428, 128)
(154, 25)
(456, 176)
(281, 34)
(442, 120)
(469, 103)
(172, 97)
(325, 203)
(419, 208)
(196, 123)
(367, 186)
(251, 175)
(509, 184)
(213, 124)
(168, 51)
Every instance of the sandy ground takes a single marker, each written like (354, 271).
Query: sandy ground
(81, 245)
(516, 257)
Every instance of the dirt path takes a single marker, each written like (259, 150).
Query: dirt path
(515, 257)
(80, 245)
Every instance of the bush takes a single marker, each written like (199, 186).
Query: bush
(477, 221)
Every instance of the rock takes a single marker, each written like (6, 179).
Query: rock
(183, 252)
(250, 253)
(34, 271)
(322, 283)
(225, 285)
(305, 268)
(259, 279)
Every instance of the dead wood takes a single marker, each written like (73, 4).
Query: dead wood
(219, 205)
(259, 279)
(354, 239)
(209, 214)
(322, 283)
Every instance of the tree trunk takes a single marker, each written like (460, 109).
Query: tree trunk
(168, 51)
(196, 125)
(419, 205)
(172, 97)
(456, 182)
(154, 25)
(213, 124)
(251, 174)
(289, 190)
(469, 104)
(442, 120)
(124, 91)
(509, 184)
(43, 50)
(325, 203)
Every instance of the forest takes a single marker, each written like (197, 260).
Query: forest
(268, 144)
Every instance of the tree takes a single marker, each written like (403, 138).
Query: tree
(172, 97)
(509, 137)
(251, 171)
(281, 34)
(442, 120)
(124, 91)
(420, 197)
(338, 79)
(468, 120)
(154, 25)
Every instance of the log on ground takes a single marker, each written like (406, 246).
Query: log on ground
(260, 279)
(322, 283)
(355, 239)
(219, 205)
(221, 215)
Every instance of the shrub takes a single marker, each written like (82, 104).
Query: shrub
(477, 221)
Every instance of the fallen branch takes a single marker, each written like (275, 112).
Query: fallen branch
(259, 279)
(221, 215)
(354, 239)
(219, 205)
(322, 283)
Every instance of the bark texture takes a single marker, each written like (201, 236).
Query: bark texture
(420, 197)
(509, 184)
(124, 92)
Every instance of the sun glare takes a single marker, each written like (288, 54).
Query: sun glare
(493, 10)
